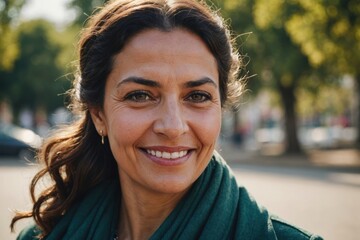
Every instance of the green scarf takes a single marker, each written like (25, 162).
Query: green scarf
(214, 208)
(93, 218)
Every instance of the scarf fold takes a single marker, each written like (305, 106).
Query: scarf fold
(94, 217)
(214, 208)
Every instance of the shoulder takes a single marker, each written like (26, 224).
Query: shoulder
(29, 233)
(260, 219)
(284, 230)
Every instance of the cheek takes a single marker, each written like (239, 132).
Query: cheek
(126, 127)
(206, 125)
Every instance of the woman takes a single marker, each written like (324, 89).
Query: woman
(139, 163)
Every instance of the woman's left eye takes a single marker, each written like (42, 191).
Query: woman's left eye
(198, 97)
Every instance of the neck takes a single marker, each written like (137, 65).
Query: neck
(142, 212)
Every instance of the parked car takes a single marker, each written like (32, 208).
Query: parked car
(18, 142)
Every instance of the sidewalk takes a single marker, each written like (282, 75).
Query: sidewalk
(341, 159)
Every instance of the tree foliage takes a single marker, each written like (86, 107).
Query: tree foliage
(9, 10)
(275, 59)
(36, 77)
(295, 47)
(328, 33)
(297, 44)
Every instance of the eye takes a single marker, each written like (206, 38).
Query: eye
(139, 96)
(198, 97)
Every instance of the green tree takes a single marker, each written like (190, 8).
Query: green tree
(328, 32)
(274, 58)
(283, 59)
(9, 10)
(298, 44)
(36, 79)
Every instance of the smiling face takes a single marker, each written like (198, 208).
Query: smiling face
(162, 110)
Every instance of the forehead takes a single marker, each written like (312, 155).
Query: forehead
(153, 39)
(173, 44)
(178, 52)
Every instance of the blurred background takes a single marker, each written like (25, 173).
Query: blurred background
(301, 58)
(298, 122)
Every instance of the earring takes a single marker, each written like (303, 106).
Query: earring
(102, 137)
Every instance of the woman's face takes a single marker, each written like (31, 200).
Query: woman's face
(162, 110)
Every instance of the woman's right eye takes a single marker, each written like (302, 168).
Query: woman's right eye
(139, 96)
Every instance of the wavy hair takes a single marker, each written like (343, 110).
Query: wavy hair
(74, 157)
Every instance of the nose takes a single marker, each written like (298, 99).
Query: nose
(171, 121)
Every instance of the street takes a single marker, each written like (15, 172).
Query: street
(321, 201)
(325, 202)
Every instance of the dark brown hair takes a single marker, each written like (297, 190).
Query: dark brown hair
(74, 157)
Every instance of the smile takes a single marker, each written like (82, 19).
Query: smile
(167, 155)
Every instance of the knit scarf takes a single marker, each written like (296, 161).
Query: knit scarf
(214, 208)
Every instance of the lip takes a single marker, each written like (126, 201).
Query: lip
(165, 161)
(168, 149)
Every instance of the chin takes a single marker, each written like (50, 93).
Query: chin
(173, 186)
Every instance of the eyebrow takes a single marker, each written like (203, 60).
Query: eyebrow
(152, 83)
(200, 82)
(139, 80)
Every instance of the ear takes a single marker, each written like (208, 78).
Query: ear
(99, 120)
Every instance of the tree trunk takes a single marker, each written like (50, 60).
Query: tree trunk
(357, 86)
(292, 144)
(236, 138)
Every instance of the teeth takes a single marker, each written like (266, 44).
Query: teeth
(167, 155)
(175, 155)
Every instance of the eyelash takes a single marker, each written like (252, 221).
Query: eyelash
(134, 96)
(204, 95)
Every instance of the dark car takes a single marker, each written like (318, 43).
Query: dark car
(18, 142)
